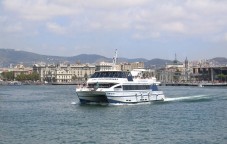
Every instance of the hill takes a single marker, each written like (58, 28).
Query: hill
(11, 56)
(219, 60)
(156, 63)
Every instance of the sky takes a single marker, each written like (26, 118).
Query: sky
(196, 29)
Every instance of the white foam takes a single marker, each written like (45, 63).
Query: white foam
(185, 98)
(73, 103)
(123, 104)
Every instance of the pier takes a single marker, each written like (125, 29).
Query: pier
(195, 84)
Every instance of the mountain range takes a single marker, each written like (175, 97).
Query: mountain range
(11, 56)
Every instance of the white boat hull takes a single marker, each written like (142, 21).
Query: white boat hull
(134, 96)
(92, 97)
(119, 96)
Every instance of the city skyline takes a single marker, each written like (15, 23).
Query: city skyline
(137, 28)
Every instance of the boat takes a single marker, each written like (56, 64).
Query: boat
(116, 86)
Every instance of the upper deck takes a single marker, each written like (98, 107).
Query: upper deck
(109, 77)
(111, 74)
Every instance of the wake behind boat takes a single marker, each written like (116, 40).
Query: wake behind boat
(117, 86)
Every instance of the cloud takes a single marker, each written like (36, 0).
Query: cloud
(129, 19)
(146, 35)
(112, 4)
(39, 10)
(225, 37)
(17, 27)
(7, 26)
(55, 28)
(174, 27)
(47, 9)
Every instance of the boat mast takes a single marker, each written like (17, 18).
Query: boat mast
(115, 60)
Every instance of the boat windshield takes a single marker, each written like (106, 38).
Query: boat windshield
(110, 74)
(101, 85)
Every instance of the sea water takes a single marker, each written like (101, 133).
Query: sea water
(47, 114)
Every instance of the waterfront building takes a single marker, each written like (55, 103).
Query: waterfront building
(174, 72)
(64, 72)
(82, 71)
(137, 65)
(212, 74)
(104, 66)
(131, 66)
(126, 67)
(17, 70)
(21, 69)
(208, 71)
(63, 76)
(78, 72)
(143, 73)
(46, 72)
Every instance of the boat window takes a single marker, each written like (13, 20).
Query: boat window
(118, 86)
(154, 87)
(115, 75)
(98, 75)
(100, 85)
(94, 75)
(136, 87)
(108, 74)
(111, 74)
(125, 75)
(119, 74)
(122, 75)
(101, 74)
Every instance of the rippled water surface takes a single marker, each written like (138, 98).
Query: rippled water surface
(52, 114)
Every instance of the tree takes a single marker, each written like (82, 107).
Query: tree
(85, 76)
(74, 77)
(9, 76)
(23, 77)
(34, 76)
(221, 77)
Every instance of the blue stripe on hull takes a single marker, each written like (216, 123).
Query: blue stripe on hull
(129, 96)
(115, 101)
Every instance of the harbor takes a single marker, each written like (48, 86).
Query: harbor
(53, 114)
(113, 72)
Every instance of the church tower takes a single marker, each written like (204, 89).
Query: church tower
(186, 63)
